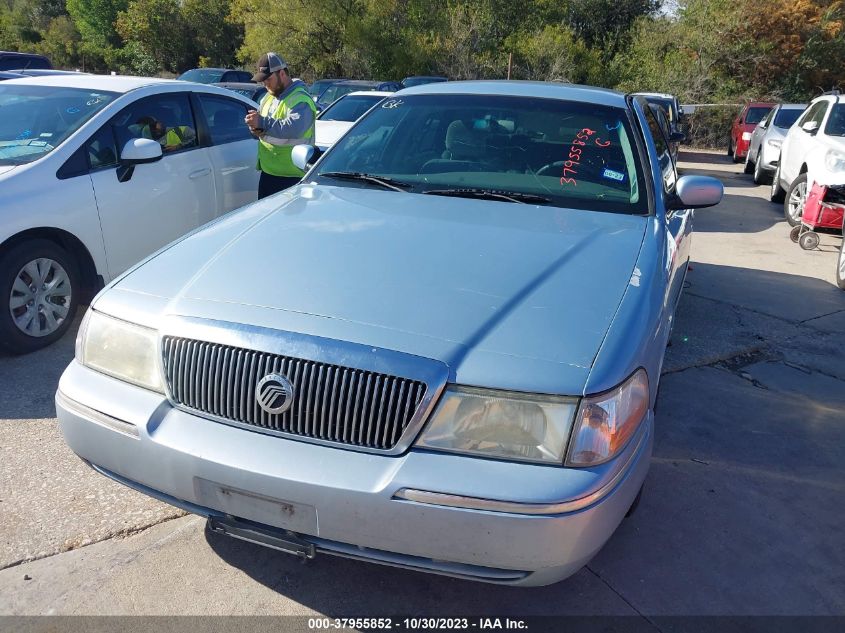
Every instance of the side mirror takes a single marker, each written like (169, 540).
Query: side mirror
(301, 156)
(696, 192)
(138, 151)
(810, 126)
(677, 137)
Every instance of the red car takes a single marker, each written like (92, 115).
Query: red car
(744, 125)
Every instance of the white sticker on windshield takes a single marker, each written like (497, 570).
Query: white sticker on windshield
(618, 176)
(391, 104)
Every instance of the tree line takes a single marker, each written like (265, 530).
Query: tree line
(701, 50)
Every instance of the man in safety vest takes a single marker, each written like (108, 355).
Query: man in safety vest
(170, 138)
(285, 118)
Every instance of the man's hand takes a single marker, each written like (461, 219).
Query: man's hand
(253, 120)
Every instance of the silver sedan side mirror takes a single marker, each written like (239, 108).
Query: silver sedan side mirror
(697, 192)
(301, 156)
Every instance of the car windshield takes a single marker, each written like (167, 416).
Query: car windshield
(202, 75)
(836, 121)
(756, 114)
(34, 120)
(318, 86)
(336, 91)
(785, 118)
(349, 108)
(547, 151)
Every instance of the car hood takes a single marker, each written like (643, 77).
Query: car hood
(327, 132)
(776, 133)
(518, 294)
(5, 169)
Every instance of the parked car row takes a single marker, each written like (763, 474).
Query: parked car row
(801, 149)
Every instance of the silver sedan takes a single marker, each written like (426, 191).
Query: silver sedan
(767, 138)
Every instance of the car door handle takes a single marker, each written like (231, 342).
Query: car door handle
(199, 173)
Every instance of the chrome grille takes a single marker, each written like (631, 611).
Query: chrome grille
(331, 403)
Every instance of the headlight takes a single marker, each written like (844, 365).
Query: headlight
(746, 136)
(834, 160)
(501, 424)
(774, 142)
(605, 423)
(120, 349)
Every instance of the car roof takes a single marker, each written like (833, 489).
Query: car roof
(827, 97)
(112, 83)
(41, 72)
(661, 95)
(243, 85)
(538, 89)
(369, 93)
(360, 82)
(761, 104)
(792, 106)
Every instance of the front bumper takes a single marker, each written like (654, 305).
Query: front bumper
(769, 157)
(344, 501)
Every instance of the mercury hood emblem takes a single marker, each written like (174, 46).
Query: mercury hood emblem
(274, 393)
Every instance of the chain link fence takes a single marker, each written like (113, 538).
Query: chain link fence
(708, 125)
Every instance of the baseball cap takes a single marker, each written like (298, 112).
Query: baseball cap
(267, 65)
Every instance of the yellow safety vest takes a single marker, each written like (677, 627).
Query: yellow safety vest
(276, 159)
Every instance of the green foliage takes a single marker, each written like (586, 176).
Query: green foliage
(95, 20)
(701, 50)
(61, 42)
(157, 31)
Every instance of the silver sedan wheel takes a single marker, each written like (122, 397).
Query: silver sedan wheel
(40, 298)
(796, 201)
(775, 183)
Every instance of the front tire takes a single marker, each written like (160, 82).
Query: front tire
(840, 265)
(793, 205)
(759, 175)
(39, 295)
(776, 193)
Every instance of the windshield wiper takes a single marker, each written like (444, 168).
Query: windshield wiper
(491, 194)
(384, 181)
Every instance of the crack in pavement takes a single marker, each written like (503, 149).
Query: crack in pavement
(120, 534)
(821, 316)
(623, 598)
(782, 319)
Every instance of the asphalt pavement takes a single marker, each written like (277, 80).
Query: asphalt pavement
(742, 512)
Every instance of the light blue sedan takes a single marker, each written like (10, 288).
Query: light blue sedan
(440, 351)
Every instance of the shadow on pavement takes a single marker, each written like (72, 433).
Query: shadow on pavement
(729, 179)
(28, 383)
(711, 158)
(340, 587)
(794, 298)
(740, 214)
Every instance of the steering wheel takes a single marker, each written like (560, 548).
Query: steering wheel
(550, 169)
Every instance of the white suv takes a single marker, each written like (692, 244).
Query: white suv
(813, 151)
